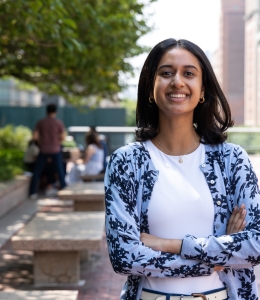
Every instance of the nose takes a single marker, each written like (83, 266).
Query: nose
(177, 81)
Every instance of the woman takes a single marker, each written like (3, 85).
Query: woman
(176, 201)
(92, 162)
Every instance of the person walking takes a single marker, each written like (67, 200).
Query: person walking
(49, 133)
(182, 205)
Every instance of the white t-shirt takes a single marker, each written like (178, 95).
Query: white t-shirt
(181, 204)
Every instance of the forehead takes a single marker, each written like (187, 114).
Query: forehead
(180, 57)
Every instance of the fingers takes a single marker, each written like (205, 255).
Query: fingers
(142, 236)
(243, 225)
(218, 268)
(230, 222)
(240, 214)
(237, 220)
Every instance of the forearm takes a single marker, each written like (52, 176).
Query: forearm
(239, 250)
(173, 246)
(160, 244)
(130, 257)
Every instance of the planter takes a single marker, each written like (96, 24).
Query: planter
(13, 192)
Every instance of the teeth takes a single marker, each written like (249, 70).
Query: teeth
(177, 95)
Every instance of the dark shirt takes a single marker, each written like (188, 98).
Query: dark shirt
(50, 130)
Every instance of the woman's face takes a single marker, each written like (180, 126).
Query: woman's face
(178, 83)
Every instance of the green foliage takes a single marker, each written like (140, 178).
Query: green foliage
(14, 137)
(13, 143)
(69, 144)
(130, 107)
(72, 48)
(11, 163)
(249, 141)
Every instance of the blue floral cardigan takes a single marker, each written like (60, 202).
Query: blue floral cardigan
(129, 182)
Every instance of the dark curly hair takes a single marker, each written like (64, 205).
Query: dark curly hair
(213, 117)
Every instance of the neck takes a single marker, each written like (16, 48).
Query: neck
(177, 137)
(52, 115)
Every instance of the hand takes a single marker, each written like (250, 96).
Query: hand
(160, 244)
(237, 221)
(79, 161)
(218, 268)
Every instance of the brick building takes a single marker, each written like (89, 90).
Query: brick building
(228, 61)
(252, 62)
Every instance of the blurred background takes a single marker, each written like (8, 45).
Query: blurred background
(86, 56)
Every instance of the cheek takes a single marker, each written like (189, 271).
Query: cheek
(159, 86)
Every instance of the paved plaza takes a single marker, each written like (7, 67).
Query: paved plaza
(101, 283)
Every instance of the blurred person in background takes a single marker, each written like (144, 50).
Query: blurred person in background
(49, 133)
(30, 155)
(102, 139)
(92, 162)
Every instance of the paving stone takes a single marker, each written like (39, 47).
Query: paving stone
(39, 295)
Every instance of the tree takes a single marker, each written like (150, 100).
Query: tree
(74, 48)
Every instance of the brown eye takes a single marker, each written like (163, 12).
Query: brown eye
(188, 73)
(166, 73)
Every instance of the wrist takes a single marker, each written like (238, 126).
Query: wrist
(173, 246)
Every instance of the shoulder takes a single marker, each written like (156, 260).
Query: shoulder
(134, 154)
(226, 149)
(40, 122)
(133, 149)
(59, 122)
(92, 147)
(227, 152)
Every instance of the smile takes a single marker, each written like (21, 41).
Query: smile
(177, 95)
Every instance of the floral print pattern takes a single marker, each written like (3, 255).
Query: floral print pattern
(129, 182)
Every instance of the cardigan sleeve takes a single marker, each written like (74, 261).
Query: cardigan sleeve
(128, 255)
(239, 250)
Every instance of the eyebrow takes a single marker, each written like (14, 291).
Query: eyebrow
(185, 66)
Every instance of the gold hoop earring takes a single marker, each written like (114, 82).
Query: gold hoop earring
(151, 99)
(202, 100)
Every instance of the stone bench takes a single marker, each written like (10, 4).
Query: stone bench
(98, 177)
(57, 240)
(89, 196)
(39, 295)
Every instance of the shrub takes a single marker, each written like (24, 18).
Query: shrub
(13, 143)
(14, 137)
(11, 163)
(69, 144)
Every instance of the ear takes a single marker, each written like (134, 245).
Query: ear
(202, 92)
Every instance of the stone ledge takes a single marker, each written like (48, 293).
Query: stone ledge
(16, 219)
(13, 192)
(8, 186)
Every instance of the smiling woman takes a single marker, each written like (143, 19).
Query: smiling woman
(177, 200)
